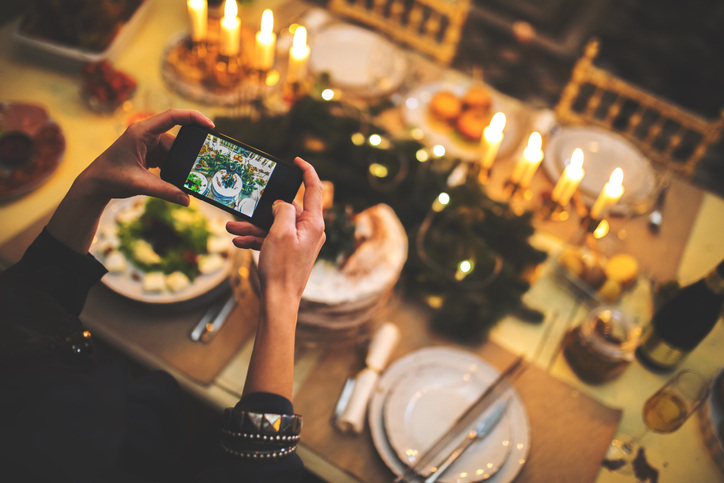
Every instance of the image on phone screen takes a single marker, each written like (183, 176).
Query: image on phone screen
(230, 175)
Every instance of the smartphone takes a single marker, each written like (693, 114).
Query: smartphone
(229, 174)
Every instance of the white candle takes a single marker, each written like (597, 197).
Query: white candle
(265, 42)
(198, 11)
(230, 29)
(492, 137)
(609, 196)
(298, 55)
(529, 162)
(570, 179)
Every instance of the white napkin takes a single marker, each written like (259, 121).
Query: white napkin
(384, 340)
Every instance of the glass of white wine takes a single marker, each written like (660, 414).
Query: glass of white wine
(664, 412)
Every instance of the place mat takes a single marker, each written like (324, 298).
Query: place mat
(137, 328)
(164, 331)
(570, 431)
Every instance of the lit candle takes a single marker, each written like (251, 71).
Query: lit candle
(197, 14)
(611, 193)
(570, 179)
(492, 137)
(230, 30)
(529, 162)
(265, 42)
(298, 55)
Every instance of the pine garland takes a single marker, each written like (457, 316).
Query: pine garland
(333, 137)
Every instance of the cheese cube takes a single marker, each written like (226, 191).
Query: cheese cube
(154, 282)
(177, 281)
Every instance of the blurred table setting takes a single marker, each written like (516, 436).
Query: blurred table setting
(474, 240)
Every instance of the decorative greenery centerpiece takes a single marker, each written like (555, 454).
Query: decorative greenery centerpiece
(470, 265)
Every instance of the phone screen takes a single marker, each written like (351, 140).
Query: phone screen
(230, 175)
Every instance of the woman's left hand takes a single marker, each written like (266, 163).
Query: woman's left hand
(122, 170)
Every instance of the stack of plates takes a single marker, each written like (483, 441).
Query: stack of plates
(343, 304)
(423, 393)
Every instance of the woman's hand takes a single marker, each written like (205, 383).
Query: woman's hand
(289, 250)
(121, 171)
(287, 255)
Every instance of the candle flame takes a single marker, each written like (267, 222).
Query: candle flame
(497, 124)
(535, 141)
(267, 21)
(300, 38)
(616, 178)
(230, 9)
(577, 159)
(197, 4)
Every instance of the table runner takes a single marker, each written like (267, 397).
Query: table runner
(570, 432)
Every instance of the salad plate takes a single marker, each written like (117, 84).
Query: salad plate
(130, 280)
(421, 394)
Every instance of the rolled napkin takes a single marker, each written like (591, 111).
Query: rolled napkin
(384, 340)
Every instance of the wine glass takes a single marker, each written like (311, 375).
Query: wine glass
(664, 412)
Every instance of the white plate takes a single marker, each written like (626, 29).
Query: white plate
(415, 114)
(357, 59)
(222, 190)
(603, 152)
(436, 372)
(129, 284)
(203, 181)
(46, 47)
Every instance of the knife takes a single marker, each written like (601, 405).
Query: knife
(483, 428)
(212, 321)
(491, 394)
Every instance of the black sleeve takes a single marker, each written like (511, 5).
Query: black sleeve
(52, 269)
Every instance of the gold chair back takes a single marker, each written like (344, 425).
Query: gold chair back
(430, 26)
(672, 137)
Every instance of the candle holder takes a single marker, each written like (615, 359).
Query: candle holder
(553, 210)
(516, 191)
(293, 91)
(228, 71)
(196, 55)
(483, 174)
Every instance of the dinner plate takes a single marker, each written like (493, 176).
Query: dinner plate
(357, 60)
(52, 50)
(603, 151)
(31, 148)
(415, 114)
(422, 393)
(129, 282)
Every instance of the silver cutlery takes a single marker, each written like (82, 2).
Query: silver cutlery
(483, 428)
(491, 394)
(656, 216)
(212, 321)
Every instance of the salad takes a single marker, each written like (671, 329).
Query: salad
(165, 238)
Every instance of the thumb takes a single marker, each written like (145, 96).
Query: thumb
(285, 215)
(152, 185)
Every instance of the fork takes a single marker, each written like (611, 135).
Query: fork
(656, 216)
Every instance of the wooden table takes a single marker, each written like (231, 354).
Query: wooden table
(696, 242)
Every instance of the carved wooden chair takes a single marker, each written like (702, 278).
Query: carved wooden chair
(430, 26)
(670, 136)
